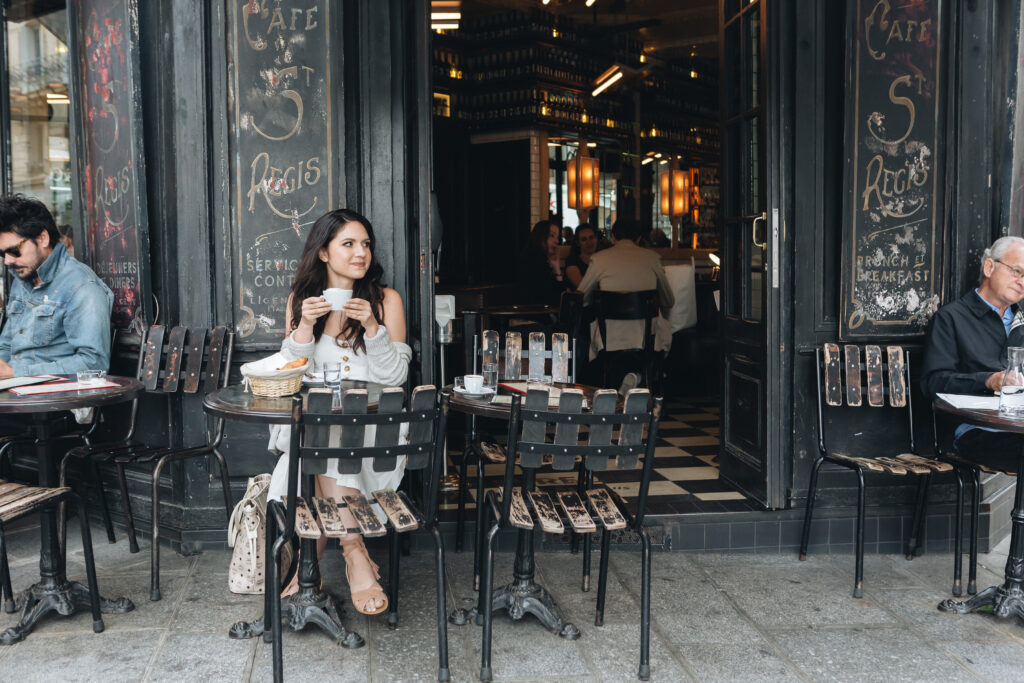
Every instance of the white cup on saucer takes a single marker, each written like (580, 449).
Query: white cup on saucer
(474, 384)
(337, 297)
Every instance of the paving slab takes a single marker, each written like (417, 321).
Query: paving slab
(111, 657)
(736, 662)
(222, 659)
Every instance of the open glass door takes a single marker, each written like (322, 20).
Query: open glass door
(745, 238)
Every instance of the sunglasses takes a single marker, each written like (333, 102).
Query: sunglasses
(15, 251)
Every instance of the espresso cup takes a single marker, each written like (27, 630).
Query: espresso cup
(474, 383)
(337, 297)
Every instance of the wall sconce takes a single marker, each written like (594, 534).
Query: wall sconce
(694, 196)
(582, 183)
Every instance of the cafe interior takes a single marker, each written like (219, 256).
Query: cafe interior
(584, 112)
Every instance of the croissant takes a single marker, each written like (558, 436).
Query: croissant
(297, 363)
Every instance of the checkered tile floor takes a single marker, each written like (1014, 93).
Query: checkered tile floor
(685, 478)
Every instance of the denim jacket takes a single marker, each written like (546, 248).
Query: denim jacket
(60, 326)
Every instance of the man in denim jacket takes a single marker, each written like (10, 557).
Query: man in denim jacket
(58, 310)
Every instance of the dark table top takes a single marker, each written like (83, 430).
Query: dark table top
(127, 389)
(237, 403)
(482, 407)
(981, 417)
(519, 309)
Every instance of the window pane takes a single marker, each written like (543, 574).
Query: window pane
(37, 54)
(752, 57)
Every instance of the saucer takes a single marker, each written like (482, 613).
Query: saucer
(468, 394)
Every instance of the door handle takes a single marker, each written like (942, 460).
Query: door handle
(753, 230)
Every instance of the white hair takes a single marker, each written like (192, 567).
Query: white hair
(998, 250)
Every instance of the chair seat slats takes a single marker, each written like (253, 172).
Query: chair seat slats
(330, 518)
(934, 465)
(214, 367)
(401, 517)
(305, 525)
(151, 357)
(490, 350)
(369, 525)
(513, 356)
(874, 464)
(605, 508)
(519, 514)
(21, 501)
(546, 513)
(560, 357)
(576, 512)
(894, 466)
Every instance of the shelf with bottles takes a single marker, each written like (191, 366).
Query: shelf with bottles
(547, 107)
(700, 139)
(536, 62)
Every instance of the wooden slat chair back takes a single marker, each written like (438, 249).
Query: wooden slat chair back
(175, 360)
(851, 380)
(640, 307)
(532, 359)
(312, 444)
(540, 436)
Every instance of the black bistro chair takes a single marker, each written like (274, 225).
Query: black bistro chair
(427, 418)
(871, 377)
(640, 308)
(17, 501)
(178, 360)
(614, 440)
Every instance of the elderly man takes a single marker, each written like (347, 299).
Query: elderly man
(967, 341)
(626, 267)
(58, 310)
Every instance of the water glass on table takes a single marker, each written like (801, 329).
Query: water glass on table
(332, 377)
(490, 373)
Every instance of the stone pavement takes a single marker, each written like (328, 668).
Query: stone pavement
(715, 617)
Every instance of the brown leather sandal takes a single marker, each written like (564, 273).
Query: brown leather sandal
(362, 597)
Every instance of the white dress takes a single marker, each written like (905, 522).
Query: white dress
(383, 361)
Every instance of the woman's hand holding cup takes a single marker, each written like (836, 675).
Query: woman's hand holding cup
(313, 309)
(360, 310)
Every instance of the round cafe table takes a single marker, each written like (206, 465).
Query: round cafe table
(1007, 600)
(311, 604)
(54, 592)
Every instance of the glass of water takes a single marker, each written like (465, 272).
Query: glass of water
(490, 373)
(332, 376)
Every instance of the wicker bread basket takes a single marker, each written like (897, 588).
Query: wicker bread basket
(264, 379)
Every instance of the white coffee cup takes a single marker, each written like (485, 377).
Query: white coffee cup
(337, 297)
(474, 383)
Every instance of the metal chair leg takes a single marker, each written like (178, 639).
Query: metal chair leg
(958, 530)
(154, 569)
(805, 537)
(460, 515)
(644, 672)
(479, 533)
(917, 525)
(97, 486)
(486, 597)
(271, 585)
(602, 575)
(122, 481)
(90, 566)
(443, 673)
(394, 543)
(858, 581)
(972, 570)
(6, 591)
(587, 482)
(225, 481)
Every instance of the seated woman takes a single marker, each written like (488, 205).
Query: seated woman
(368, 337)
(583, 247)
(538, 272)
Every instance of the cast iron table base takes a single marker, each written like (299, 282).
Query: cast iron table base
(1006, 600)
(63, 598)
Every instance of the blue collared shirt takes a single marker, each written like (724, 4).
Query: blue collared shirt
(61, 325)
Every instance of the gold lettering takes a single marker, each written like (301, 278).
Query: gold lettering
(276, 21)
(899, 101)
(310, 20)
(894, 32)
(883, 22)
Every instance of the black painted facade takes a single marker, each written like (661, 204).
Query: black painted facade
(381, 104)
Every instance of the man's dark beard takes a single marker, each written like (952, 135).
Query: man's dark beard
(30, 276)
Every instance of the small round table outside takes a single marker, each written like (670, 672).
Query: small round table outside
(54, 592)
(1007, 600)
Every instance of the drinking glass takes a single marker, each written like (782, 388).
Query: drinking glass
(1011, 394)
(332, 377)
(490, 373)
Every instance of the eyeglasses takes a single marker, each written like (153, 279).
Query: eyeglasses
(15, 251)
(1017, 272)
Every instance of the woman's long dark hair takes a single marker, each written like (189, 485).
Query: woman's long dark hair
(311, 276)
(537, 243)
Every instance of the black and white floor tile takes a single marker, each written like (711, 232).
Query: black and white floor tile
(686, 472)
